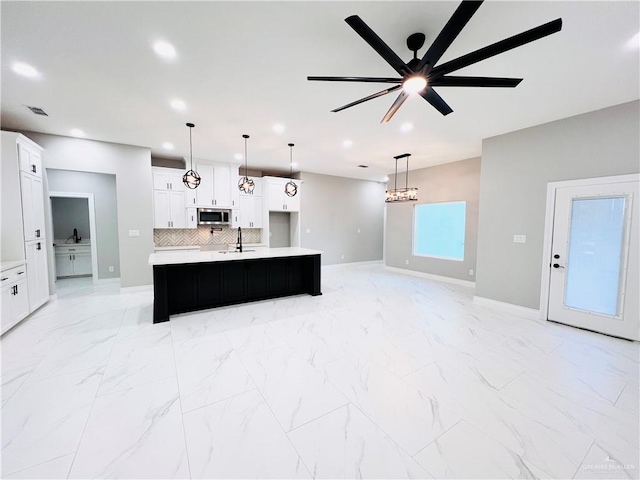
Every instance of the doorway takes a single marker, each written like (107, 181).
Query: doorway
(74, 233)
(591, 267)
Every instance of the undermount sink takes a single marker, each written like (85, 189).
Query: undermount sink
(234, 251)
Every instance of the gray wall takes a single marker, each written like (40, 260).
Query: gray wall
(103, 188)
(457, 181)
(132, 168)
(279, 229)
(516, 168)
(69, 213)
(334, 208)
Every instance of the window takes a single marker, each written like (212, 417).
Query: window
(438, 230)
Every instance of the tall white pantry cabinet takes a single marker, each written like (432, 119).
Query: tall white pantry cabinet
(23, 234)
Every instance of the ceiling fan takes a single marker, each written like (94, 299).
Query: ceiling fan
(422, 75)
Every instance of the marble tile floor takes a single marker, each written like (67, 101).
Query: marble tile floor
(383, 376)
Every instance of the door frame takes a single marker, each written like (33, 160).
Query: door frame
(92, 227)
(552, 187)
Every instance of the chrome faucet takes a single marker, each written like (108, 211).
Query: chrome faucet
(76, 238)
(239, 241)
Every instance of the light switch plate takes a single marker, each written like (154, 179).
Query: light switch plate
(308, 230)
(134, 233)
(519, 239)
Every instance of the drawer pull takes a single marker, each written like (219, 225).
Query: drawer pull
(20, 273)
(3, 279)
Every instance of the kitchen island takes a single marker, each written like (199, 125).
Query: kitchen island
(185, 281)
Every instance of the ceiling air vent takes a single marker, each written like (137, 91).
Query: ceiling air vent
(363, 166)
(38, 111)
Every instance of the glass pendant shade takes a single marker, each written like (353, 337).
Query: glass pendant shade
(406, 194)
(191, 179)
(290, 188)
(246, 185)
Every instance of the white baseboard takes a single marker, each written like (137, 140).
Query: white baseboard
(106, 281)
(526, 312)
(137, 289)
(353, 264)
(431, 276)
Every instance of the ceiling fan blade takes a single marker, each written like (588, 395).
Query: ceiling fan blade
(499, 47)
(370, 97)
(448, 34)
(377, 44)
(357, 79)
(394, 108)
(430, 95)
(450, 81)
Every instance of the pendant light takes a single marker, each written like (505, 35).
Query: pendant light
(290, 188)
(405, 194)
(245, 184)
(191, 179)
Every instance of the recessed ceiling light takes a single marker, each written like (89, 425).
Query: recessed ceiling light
(278, 128)
(178, 104)
(406, 127)
(167, 146)
(347, 144)
(76, 132)
(238, 156)
(164, 49)
(25, 70)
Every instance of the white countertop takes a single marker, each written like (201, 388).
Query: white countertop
(194, 256)
(177, 247)
(72, 244)
(11, 264)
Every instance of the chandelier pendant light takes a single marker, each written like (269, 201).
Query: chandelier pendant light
(191, 179)
(290, 188)
(405, 194)
(246, 185)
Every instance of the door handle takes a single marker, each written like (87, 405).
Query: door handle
(557, 265)
(556, 256)
(38, 233)
(33, 168)
(3, 279)
(14, 290)
(38, 246)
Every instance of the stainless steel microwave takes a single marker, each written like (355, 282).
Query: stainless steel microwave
(211, 216)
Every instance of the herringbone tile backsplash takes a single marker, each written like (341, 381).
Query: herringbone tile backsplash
(168, 237)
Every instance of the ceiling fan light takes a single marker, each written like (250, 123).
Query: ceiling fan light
(246, 185)
(291, 188)
(414, 84)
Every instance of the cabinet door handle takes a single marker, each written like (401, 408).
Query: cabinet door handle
(14, 290)
(38, 233)
(74, 257)
(33, 168)
(192, 218)
(38, 246)
(3, 279)
(194, 199)
(20, 273)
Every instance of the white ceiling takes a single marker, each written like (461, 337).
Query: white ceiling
(242, 67)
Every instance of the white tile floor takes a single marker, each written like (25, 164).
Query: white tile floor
(384, 376)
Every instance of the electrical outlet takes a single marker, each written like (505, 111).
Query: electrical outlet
(471, 272)
(308, 230)
(342, 257)
(406, 262)
(519, 239)
(111, 269)
(134, 233)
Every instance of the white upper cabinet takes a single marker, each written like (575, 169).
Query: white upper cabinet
(280, 201)
(204, 192)
(168, 179)
(222, 185)
(30, 160)
(32, 206)
(168, 209)
(251, 212)
(216, 186)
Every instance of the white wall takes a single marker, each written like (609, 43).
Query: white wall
(451, 182)
(333, 209)
(516, 168)
(132, 168)
(103, 188)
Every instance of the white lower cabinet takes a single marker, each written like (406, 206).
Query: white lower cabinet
(14, 297)
(37, 273)
(192, 218)
(73, 261)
